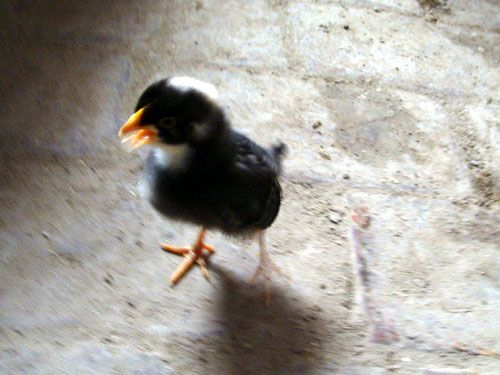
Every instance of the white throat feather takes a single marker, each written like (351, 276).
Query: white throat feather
(172, 156)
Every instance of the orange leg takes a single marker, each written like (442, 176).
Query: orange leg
(191, 255)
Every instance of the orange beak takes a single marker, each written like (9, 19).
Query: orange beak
(134, 135)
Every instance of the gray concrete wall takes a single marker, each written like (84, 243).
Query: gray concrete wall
(390, 223)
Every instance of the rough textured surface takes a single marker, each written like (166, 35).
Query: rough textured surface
(390, 224)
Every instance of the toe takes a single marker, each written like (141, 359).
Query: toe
(174, 249)
(208, 248)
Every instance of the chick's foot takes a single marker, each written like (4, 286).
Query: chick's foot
(192, 255)
(266, 268)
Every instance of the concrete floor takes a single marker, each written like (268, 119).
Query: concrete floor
(390, 227)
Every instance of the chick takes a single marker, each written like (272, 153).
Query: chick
(201, 171)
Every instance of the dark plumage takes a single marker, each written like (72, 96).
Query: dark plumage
(234, 192)
(200, 170)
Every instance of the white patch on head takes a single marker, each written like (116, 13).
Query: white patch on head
(188, 83)
(171, 156)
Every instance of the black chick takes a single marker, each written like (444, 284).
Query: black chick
(201, 171)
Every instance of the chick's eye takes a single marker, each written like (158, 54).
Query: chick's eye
(167, 122)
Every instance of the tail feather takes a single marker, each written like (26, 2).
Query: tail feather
(279, 151)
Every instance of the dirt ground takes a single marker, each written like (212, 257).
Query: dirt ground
(390, 225)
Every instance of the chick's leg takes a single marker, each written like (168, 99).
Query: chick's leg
(192, 255)
(265, 268)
